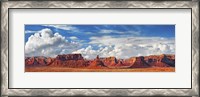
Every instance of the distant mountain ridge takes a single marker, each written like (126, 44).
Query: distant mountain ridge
(77, 61)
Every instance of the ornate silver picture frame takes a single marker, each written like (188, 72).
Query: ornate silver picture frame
(5, 22)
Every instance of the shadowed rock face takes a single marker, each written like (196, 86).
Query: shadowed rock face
(77, 61)
(96, 63)
(161, 60)
(137, 62)
(70, 60)
(110, 61)
(69, 57)
(38, 61)
(70, 63)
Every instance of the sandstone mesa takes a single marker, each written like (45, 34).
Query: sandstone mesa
(77, 61)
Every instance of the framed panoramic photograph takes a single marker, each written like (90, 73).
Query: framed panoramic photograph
(101, 48)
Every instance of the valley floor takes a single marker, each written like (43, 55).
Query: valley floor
(64, 69)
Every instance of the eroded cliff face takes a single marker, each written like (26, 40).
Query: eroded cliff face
(70, 60)
(38, 61)
(77, 61)
(96, 63)
(160, 60)
(137, 62)
(110, 61)
(69, 57)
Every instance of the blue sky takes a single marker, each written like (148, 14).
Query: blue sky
(86, 36)
(143, 30)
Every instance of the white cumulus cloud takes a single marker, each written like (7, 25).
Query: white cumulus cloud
(45, 43)
(128, 47)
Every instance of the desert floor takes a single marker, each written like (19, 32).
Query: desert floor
(64, 69)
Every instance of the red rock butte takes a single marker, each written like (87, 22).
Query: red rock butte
(77, 61)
